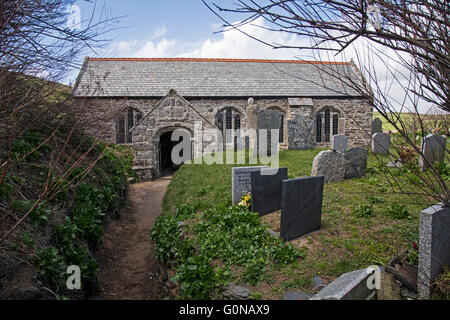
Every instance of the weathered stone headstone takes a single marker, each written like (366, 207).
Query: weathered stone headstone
(355, 162)
(434, 246)
(433, 149)
(331, 164)
(266, 189)
(296, 295)
(380, 143)
(349, 286)
(269, 119)
(339, 142)
(301, 206)
(241, 181)
(300, 133)
(377, 126)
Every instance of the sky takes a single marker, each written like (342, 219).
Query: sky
(178, 28)
(187, 28)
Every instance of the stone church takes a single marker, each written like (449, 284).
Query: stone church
(140, 102)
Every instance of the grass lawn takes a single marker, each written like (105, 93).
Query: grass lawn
(357, 229)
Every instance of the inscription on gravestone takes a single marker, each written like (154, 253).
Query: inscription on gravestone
(241, 181)
(300, 133)
(301, 206)
(266, 189)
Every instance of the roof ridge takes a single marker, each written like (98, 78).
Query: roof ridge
(220, 60)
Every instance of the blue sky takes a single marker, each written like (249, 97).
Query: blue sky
(185, 28)
(178, 28)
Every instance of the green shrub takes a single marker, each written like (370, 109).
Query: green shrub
(6, 190)
(27, 144)
(50, 265)
(196, 277)
(364, 210)
(77, 174)
(169, 244)
(40, 215)
(253, 272)
(374, 200)
(185, 210)
(398, 211)
(229, 233)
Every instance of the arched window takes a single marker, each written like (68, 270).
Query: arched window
(319, 128)
(281, 133)
(335, 124)
(229, 119)
(237, 121)
(232, 119)
(124, 123)
(327, 124)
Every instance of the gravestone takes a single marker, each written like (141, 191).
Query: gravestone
(377, 126)
(433, 149)
(349, 286)
(330, 164)
(241, 181)
(266, 189)
(434, 246)
(301, 206)
(269, 120)
(339, 142)
(380, 143)
(300, 133)
(355, 162)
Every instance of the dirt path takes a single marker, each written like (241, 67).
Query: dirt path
(128, 267)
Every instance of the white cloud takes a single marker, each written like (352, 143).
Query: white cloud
(155, 50)
(235, 44)
(229, 44)
(159, 32)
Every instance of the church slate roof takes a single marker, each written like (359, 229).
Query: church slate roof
(154, 77)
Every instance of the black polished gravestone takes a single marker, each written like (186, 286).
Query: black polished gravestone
(301, 206)
(266, 189)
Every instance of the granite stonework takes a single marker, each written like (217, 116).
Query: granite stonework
(173, 111)
(433, 149)
(300, 133)
(241, 182)
(349, 286)
(355, 162)
(377, 126)
(434, 246)
(330, 164)
(266, 189)
(380, 143)
(339, 142)
(301, 206)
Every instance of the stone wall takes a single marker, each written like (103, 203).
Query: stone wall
(173, 111)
